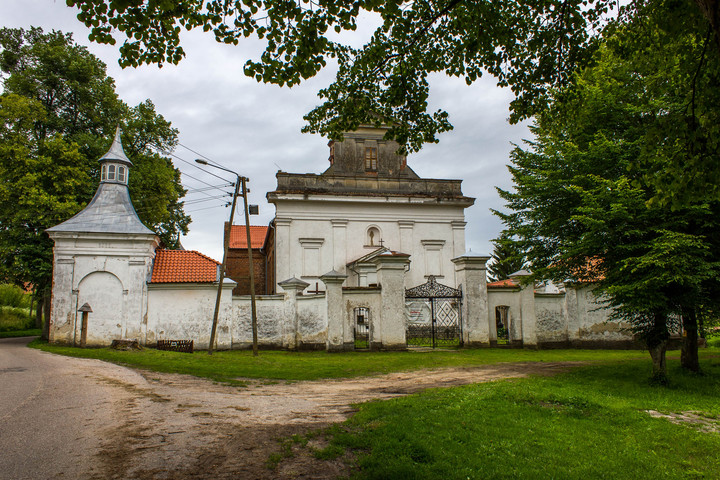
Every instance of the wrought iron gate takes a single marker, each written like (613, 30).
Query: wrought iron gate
(362, 328)
(433, 315)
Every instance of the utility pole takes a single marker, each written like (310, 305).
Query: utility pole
(239, 182)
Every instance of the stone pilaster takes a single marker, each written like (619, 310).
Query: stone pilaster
(338, 335)
(339, 229)
(471, 275)
(527, 308)
(390, 272)
(63, 304)
(573, 318)
(291, 327)
(282, 249)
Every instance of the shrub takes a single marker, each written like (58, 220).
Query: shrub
(15, 318)
(13, 296)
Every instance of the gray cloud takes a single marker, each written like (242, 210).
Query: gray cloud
(255, 128)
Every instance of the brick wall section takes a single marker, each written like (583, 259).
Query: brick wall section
(237, 269)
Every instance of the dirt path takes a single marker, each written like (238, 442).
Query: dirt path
(177, 426)
(87, 419)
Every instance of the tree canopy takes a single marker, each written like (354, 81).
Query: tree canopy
(58, 114)
(590, 202)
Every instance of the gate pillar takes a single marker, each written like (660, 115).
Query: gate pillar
(527, 308)
(390, 324)
(471, 274)
(337, 330)
(291, 328)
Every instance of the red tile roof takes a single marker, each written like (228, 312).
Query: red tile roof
(238, 236)
(183, 266)
(507, 283)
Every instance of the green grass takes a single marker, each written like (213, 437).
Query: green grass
(228, 366)
(590, 423)
(31, 332)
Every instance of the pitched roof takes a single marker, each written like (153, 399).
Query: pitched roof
(183, 266)
(507, 283)
(110, 211)
(238, 236)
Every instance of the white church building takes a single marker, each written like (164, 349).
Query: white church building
(364, 255)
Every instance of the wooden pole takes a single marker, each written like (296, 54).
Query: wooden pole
(84, 328)
(251, 268)
(213, 331)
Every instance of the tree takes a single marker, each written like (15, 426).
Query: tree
(588, 200)
(528, 45)
(58, 114)
(507, 258)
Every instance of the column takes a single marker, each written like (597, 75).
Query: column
(573, 317)
(391, 325)
(63, 303)
(527, 307)
(291, 329)
(282, 250)
(337, 331)
(471, 275)
(458, 245)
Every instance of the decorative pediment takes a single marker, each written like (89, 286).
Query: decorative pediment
(432, 289)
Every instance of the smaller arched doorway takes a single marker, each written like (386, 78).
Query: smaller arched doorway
(502, 324)
(103, 291)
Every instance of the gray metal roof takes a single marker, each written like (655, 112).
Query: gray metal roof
(110, 211)
(116, 152)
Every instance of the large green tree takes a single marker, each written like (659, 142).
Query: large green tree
(589, 197)
(58, 114)
(528, 45)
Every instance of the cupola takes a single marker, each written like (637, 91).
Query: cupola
(114, 165)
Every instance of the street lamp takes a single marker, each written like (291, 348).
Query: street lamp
(240, 181)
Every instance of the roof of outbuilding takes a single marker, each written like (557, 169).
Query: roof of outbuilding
(238, 236)
(507, 283)
(183, 266)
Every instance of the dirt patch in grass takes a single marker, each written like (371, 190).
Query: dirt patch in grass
(693, 419)
(181, 427)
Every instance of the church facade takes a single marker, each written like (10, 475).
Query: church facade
(363, 255)
(368, 201)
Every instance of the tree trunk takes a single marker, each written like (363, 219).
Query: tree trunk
(657, 353)
(45, 302)
(689, 353)
(656, 340)
(38, 311)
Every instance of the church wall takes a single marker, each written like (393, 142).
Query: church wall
(551, 318)
(326, 235)
(185, 312)
(312, 322)
(272, 321)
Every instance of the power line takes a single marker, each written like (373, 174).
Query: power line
(189, 163)
(206, 208)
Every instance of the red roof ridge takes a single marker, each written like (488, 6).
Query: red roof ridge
(183, 266)
(508, 282)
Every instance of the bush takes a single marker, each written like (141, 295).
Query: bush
(13, 296)
(15, 318)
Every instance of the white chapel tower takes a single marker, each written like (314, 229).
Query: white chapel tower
(102, 257)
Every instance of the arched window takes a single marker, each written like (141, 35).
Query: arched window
(103, 173)
(111, 172)
(121, 174)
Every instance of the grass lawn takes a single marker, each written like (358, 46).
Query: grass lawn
(590, 423)
(229, 366)
(32, 332)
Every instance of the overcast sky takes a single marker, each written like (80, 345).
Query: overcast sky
(254, 128)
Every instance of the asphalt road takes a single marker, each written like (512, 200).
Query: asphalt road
(49, 413)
